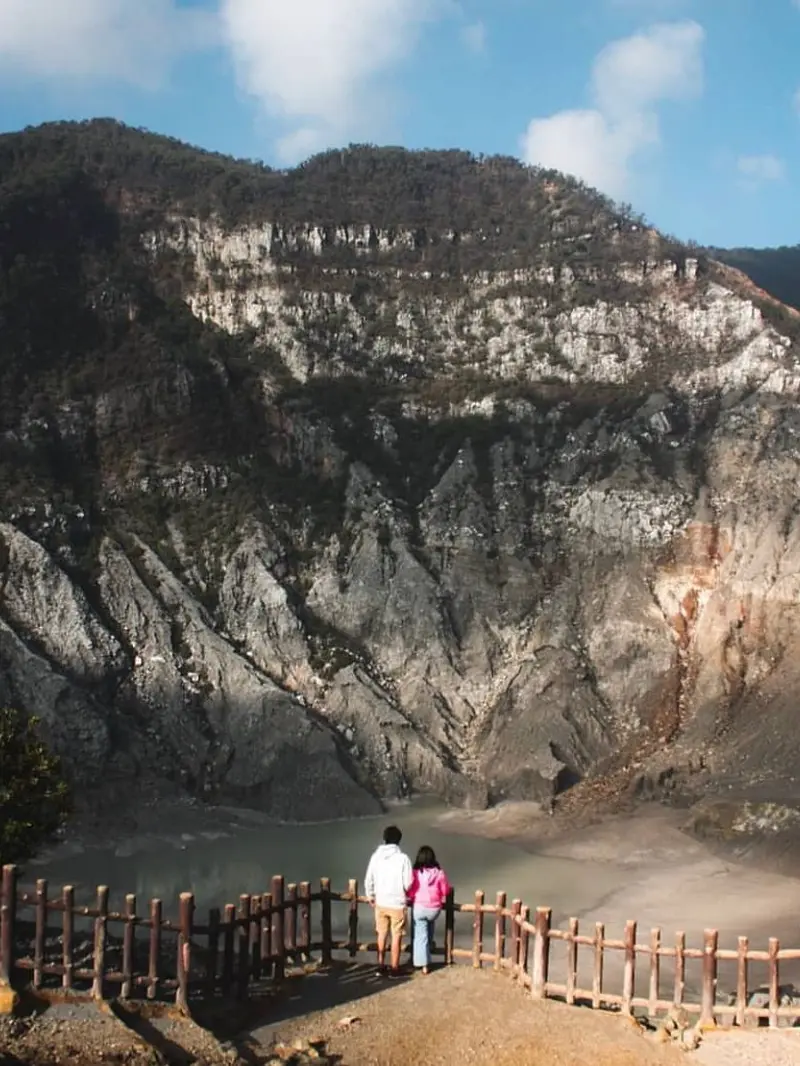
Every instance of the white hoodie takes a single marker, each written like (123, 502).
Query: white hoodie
(388, 877)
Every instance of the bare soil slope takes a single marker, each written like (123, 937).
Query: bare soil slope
(462, 1018)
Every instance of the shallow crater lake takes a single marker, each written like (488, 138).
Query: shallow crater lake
(219, 854)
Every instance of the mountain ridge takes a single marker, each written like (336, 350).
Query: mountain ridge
(471, 509)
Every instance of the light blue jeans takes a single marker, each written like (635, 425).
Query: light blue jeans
(424, 917)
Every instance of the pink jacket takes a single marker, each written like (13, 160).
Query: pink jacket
(429, 888)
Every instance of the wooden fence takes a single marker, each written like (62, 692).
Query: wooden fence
(243, 946)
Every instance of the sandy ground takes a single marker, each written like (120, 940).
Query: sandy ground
(760, 1048)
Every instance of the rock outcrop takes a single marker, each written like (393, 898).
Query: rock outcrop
(327, 513)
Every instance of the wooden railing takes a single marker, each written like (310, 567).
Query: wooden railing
(243, 945)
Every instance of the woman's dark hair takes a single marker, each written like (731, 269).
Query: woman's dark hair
(425, 859)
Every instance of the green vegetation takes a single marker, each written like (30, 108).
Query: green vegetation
(463, 212)
(34, 798)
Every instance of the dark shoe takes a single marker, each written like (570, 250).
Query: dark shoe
(393, 974)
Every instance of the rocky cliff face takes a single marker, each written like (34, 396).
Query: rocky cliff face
(323, 513)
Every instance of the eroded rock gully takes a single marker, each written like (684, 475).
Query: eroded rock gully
(383, 531)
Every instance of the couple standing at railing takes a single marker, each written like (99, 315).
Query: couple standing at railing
(392, 885)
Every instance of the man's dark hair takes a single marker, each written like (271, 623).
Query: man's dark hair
(392, 835)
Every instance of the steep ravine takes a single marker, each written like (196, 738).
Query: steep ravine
(306, 516)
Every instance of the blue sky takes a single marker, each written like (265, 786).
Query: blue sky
(688, 109)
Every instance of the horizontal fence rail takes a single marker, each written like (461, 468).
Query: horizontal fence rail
(51, 944)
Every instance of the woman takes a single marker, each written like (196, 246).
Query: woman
(427, 895)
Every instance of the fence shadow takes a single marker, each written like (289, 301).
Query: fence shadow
(338, 985)
(144, 1028)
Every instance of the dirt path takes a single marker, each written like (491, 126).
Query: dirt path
(459, 1017)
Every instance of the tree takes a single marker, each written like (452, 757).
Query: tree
(34, 798)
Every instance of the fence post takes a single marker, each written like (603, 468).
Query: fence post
(679, 986)
(100, 933)
(41, 932)
(741, 980)
(68, 931)
(516, 908)
(186, 921)
(8, 916)
(774, 981)
(477, 932)
(243, 969)
(525, 917)
(597, 970)
(214, 918)
(266, 935)
(304, 931)
(449, 926)
(327, 924)
(352, 891)
(291, 921)
(499, 930)
(541, 953)
(629, 973)
(127, 947)
(709, 994)
(154, 962)
(278, 935)
(254, 937)
(655, 972)
(572, 960)
(228, 933)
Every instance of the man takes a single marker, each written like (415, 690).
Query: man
(387, 883)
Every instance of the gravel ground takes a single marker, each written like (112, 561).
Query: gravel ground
(82, 1034)
(70, 1036)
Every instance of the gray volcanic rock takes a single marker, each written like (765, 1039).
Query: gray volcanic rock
(316, 514)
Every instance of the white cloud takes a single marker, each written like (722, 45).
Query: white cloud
(318, 64)
(582, 143)
(98, 39)
(663, 63)
(761, 168)
(630, 79)
(474, 37)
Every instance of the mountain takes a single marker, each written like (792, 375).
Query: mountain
(777, 270)
(396, 473)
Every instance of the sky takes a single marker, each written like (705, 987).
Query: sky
(687, 109)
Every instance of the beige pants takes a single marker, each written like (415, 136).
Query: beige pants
(387, 918)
